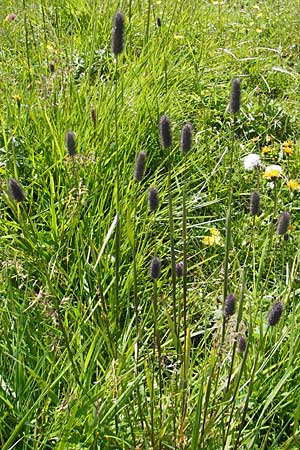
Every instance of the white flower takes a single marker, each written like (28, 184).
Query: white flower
(252, 162)
(272, 171)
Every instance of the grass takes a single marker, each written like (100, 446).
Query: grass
(73, 372)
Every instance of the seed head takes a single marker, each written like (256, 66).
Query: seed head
(70, 142)
(15, 190)
(158, 22)
(51, 68)
(229, 305)
(186, 138)
(118, 32)
(140, 166)
(94, 116)
(235, 97)
(179, 269)
(153, 199)
(241, 344)
(275, 313)
(155, 268)
(165, 132)
(254, 203)
(283, 223)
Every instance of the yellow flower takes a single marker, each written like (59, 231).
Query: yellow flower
(287, 143)
(288, 150)
(16, 97)
(266, 149)
(293, 185)
(214, 238)
(272, 171)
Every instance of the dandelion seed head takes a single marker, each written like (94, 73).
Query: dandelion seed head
(252, 162)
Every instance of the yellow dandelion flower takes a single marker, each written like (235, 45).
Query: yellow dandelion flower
(293, 185)
(266, 149)
(288, 150)
(287, 143)
(214, 232)
(16, 97)
(213, 239)
(272, 171)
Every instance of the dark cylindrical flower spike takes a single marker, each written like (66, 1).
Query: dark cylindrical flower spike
(158, 22)
(229, 305)
(70, 142)
(235, 97)
(140, 163)
(155, 268)
(15, 190)
(254, 203)
(283, 223)
(179, 269)
(275, 313)
(118, 33)
(186, 138)
(153, 199)
(241, 344)
(94, 116)
(165, 132)
(51, 68)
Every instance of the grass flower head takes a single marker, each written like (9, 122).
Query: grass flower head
(118, 32)
(155, 268)
(275, 314)
(15, 190)
(235, 97)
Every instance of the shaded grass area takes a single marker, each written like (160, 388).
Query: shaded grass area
(69, 377)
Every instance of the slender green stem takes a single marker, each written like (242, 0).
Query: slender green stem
(117, 187)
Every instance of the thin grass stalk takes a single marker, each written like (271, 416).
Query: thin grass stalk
(172, 245)
(212, 365)
(250, 389)
(228, 235)
(234, 396)
(136, 305)
(118, 227)
(27, 41)
(239, 318)
(184, 236)
(148, 21)
(157, 346)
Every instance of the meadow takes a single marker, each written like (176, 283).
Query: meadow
(150, 187)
